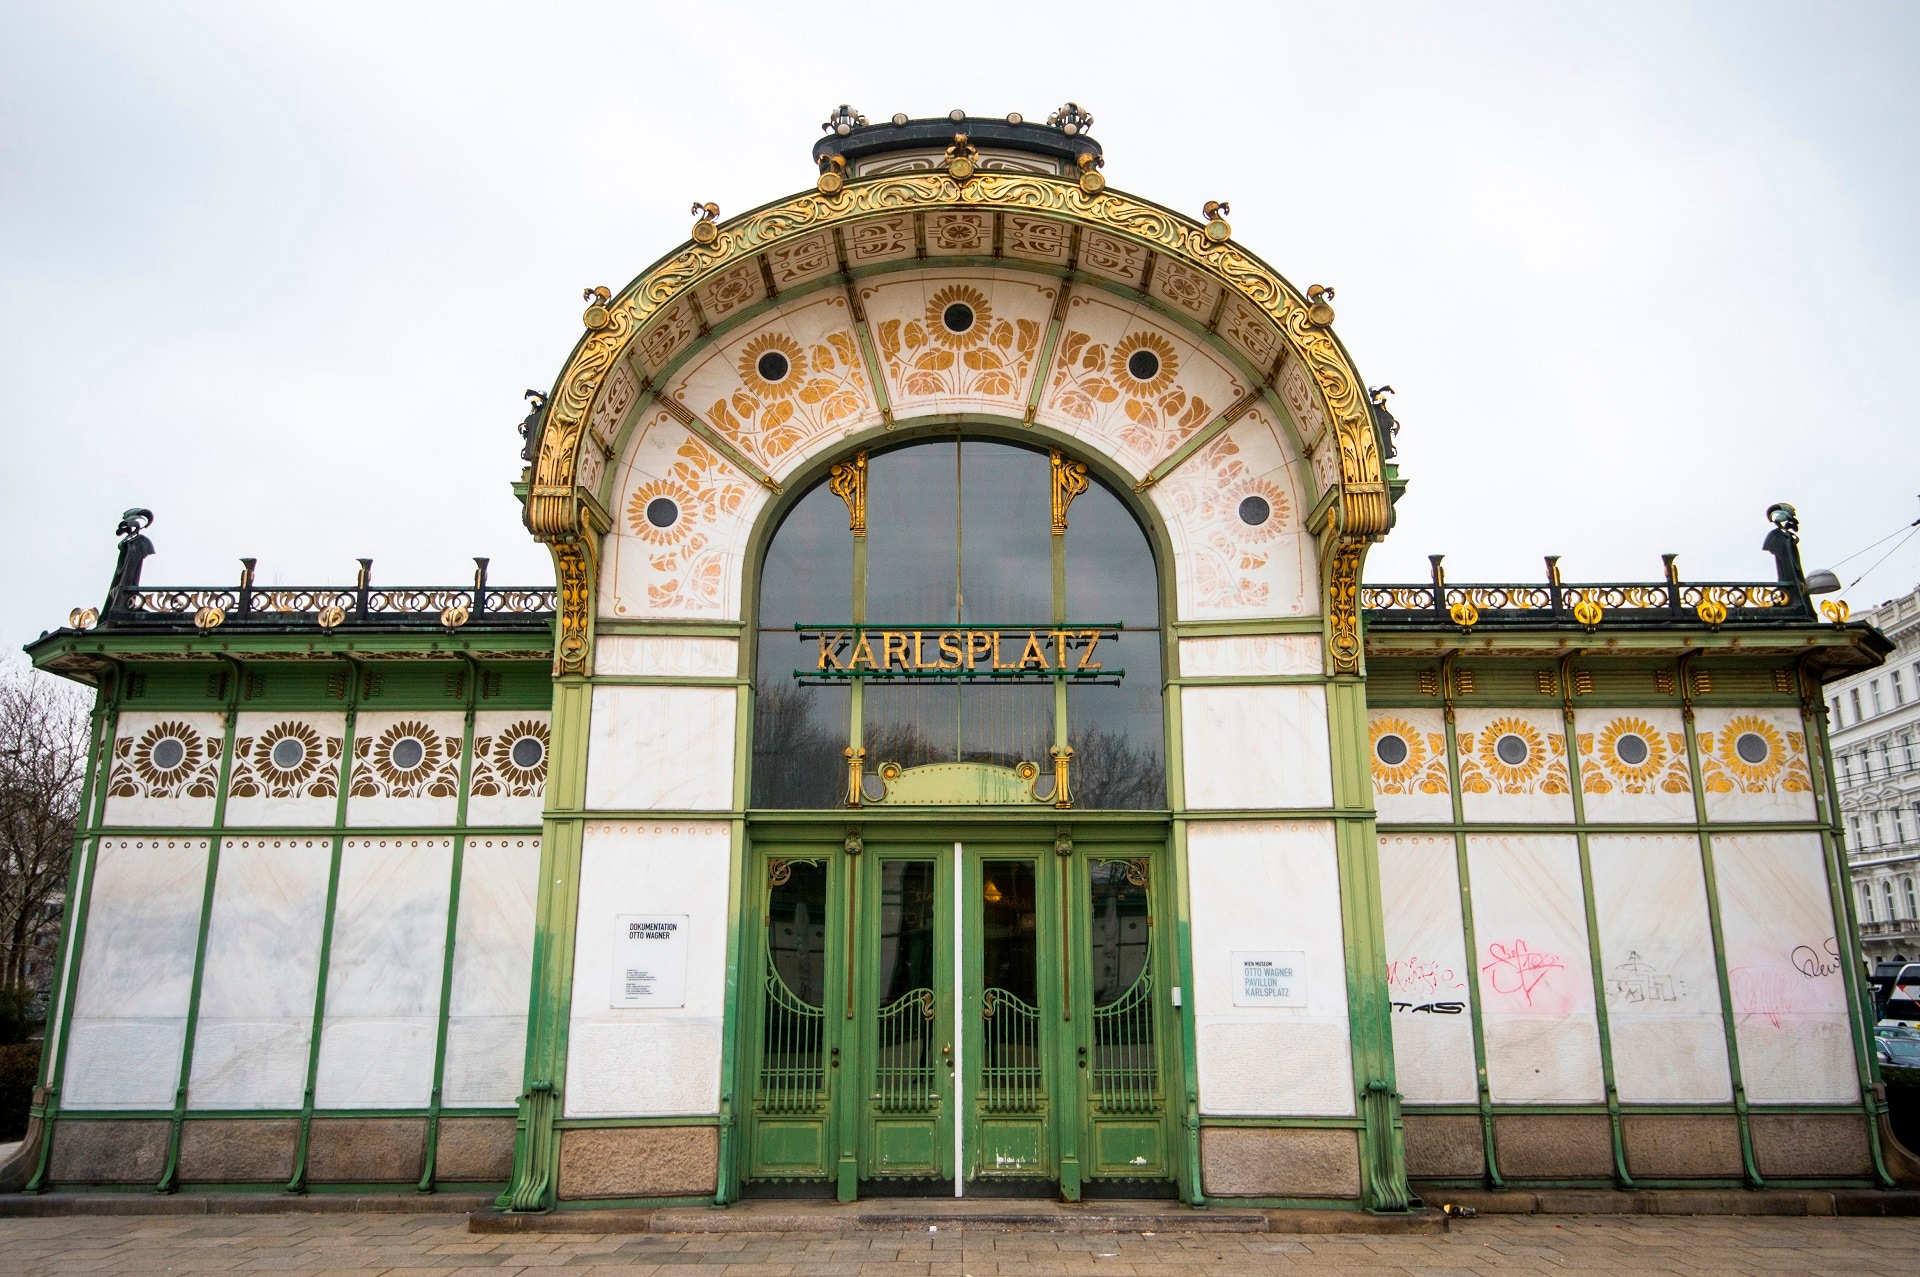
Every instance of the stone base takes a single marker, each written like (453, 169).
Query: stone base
(1683, 1146)
(366, 1150)
(109, 1151)
(1553, 1146)
(1789, 1146)
(1445, 1147)
(1252, 1161)
(474, 1150)
(639, 1161)
(238, 1150)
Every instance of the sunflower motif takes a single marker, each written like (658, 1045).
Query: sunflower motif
(1276, 503)
(520, 756)
(1752, 749)
(1632, 750)
(1513, 769)
(406, 753)
(1166, 365)
(641, 521)
(289, 753)
(166, 752)
(758, 384)
(959, 295)
(1411, 750)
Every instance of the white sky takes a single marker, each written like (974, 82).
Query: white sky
(281, 271)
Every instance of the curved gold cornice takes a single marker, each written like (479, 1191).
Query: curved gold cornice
(556, 510)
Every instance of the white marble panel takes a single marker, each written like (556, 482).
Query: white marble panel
(1269, 885)
(1753, 764)
(492, 971)
(383, 975)
(262, 792)
(250, 1044)
(382, 793)
(1662, 987)
(1250, 655)
(500, 791)
(1427, 970)
(1256, 747)
(987, 368)
(140, 791)
(136, 973)
(1533, 785)
(1536, 977)
(1658, 786)
(1784, 969)
(651, 656)
(1224, 567)
(661, 748)
(1416, 787)
(634, 1062)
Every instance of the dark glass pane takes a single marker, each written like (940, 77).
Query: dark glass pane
(1110, 572)
(907, 903)
(911, 723)
(799, 733)
(1006, 535)
(1005, 723)
(808, 574)
(912, 535)
(1119, 926)
(797, 929)
(1008, 931)
(1116, 732)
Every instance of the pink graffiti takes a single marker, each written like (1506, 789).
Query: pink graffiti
(1762, 991)
(1422, 976)
(1515, 968)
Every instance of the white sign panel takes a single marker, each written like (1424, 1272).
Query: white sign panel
(650, 960)
(1277, 978)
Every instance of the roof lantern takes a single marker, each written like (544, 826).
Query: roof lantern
(854, 147)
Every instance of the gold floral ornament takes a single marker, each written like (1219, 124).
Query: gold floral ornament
(1632, 755)
(291, 759)
(512, 763)
(790, 396)
(1404, 759)
(407, 760)
(1512, 756)
(677, 514)
(1752, 756)
(1140, 370)
(171, 759)
(957, 347)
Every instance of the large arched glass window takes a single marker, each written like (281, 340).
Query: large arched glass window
(960, 549)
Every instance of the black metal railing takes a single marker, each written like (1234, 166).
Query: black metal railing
(1555, 602)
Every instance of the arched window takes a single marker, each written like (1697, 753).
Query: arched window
(1886, 895)
(1866, 902)
(1906, 889)
(959, 547)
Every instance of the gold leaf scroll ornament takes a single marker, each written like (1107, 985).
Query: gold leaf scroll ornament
(1069, 481)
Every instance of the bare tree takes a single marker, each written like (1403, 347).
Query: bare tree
(43, 756)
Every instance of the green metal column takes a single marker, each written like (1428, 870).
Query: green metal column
(1469, 941)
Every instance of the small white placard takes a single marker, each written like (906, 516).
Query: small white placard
(650, 960)
(1273, 979)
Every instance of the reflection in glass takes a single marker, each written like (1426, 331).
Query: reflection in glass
(905, 1028)
(1010, 1071)
(911, 723)
(1125, 1062)
(1116, 730)
(798, 732)
(808, 573)
(1006, 723)
(791, 1074)
(797, 928)
(913, 535)
(1110, 572)
(1006, 535)
(1119, 929)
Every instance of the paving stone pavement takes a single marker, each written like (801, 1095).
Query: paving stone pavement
(440, 1245)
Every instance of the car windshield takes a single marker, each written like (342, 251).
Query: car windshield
(1903, 1050)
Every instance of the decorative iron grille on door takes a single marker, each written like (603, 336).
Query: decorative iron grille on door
(792, 1054)
(904, 1079)
(1010, 1076)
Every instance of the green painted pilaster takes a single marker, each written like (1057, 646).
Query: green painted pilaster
(1468, 939)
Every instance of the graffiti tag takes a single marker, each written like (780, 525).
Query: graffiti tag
(1515, 968)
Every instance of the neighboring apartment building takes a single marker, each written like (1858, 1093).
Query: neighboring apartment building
(1875, 725)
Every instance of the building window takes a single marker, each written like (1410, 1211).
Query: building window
(1906, 889)
(1899, 692)
(1853, 824)
(1873, 690)
(1866, 903)
(1854, 695)
(1846, 768)
(1839, 720)
(1886, 897)
(1899, 825)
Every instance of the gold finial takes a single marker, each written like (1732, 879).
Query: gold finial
(833, 175)
(855, 757)
(963, 158)
(1217, 228)
(1319, 313)
(597, 316)
(1069, 481)
(848, 481)
(704, 230)
(1836, 610)
(1092, 181)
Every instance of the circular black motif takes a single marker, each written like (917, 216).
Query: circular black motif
(662, 512)
(1255, 511)
(1511, 750)
(288, 753)
(168, 753)
(1752, 747)
(1143, 365)
(527, 753)
(1391, 750)
(1632, 749)
(957, 317)
(407, 753)
(772, 366)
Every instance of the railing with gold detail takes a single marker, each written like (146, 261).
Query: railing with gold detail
(1438, 603)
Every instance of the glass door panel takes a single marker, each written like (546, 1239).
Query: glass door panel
(1122, 1040)
(796, 1043)
(1008, 1034)
(906, 1020)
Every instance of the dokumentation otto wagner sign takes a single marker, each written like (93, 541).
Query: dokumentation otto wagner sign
(959, 652)
(650, 960)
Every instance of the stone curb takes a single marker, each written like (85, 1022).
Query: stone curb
(22, 1206)
(1681, 1201)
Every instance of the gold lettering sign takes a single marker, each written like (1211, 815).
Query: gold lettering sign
(961, 652)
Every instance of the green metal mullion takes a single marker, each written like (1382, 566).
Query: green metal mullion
(1189, 1117)
(1750, 1166)
(857, 694)
(297, 1182)
(1621, 1173)
(56, 1004)
(427, 1175)
(1840, 891)
(73, 939)
(1468, 938)
(727, 1176)
(170, 1175)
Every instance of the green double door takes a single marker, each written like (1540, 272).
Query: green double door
(991, 1014)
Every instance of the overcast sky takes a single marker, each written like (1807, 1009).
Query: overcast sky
(280, 272)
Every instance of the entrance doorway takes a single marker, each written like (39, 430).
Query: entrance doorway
(956, 1018)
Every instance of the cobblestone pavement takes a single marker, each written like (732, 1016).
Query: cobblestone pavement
(441, 1244)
